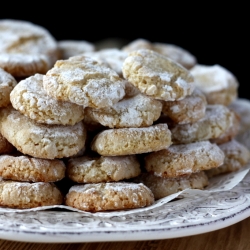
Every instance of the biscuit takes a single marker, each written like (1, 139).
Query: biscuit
(136, 111)
(25, 168)
(127, 141)
(162, 187)
(218, 119)
(157, 76)
(188, 110)
(26, 48)
(218, 84)
(31, 99)
(184, 159)
(41, 140)
(7, 83)
(84, 82)
(109, 196)
(102, 169)
(14, 194)
(236, 157)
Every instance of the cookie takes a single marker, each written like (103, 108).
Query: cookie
(162, 187)
(21, 195)
(136, 111)
(84, 82)
(32, 100)
(157, 76)
(41, 140)
(184, 159)
(26, 48)
(109, 196)
(218, 84)
(25, 168)
(236, 157)
(188, 110)
(102, 169)
(217, 120)
(127, 141)
(7, 83)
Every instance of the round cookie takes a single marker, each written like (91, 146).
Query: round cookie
(31, 99)
(85, 82)
(236, 157)
(162, 187)
(188, 110)
(41, 140)
(218, 84)
(136, 111)
(21, 195)
(103, 169)
(184, 159)
(127, 141)
(25, 168)
(7, 83)
(68, 48)
(157, 76)
(109, 196)
(218, 119)
(26, 48)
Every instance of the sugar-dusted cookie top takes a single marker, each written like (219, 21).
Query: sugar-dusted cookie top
(26, 48)
(218, 84)
(157, 76)
(32, 100)
(7, 83)
(136, 111)
(41, 140)
(84, 81)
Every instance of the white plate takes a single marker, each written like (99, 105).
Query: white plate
(183, 217)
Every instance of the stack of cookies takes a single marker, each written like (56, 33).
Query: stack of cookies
(120, 127)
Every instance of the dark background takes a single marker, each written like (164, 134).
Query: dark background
(214, 35)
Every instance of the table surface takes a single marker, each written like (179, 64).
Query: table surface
(235, 237)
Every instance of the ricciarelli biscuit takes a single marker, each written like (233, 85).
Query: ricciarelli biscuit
(15, 194)
(41, 140)
(25, 168)
(103, 169)
(85, 82)
(157, 76)
(7, 83)
(109, 196)
(127, 141)
(136, 111)
(162, 187)
(184, 159)
(31, 99)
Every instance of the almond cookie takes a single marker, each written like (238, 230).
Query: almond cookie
(127, 141)
(14, 194)
(236, 157)
(85, 82)
(32, 100)
(26, 48)
(184, 159)
(103, 169)
(68, 48)
(98, 197)
(7, 83)
(157, 76)
(218, 119)
(25, 168)
(162, 187)
(218, 84)
(137, 111)
(41, 140)
(188, 110)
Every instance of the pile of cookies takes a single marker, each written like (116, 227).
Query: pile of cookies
(109, 129)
